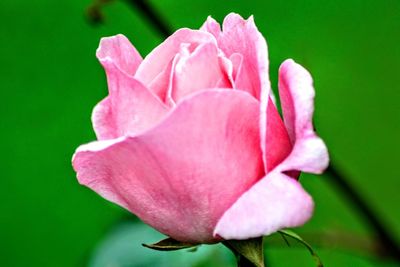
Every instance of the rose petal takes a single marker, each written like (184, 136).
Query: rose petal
(161, 83)
(275, 202)
(237, 60)
(277, 146)
(119, 50)
(278, 201)
(296, 92)
(242, 37)
(129, 109)
(309, 154)
(211, 26)
(198, 71)
(168, 98)
(159, 58)
(246, 47)
(227, 69)
(181, 176)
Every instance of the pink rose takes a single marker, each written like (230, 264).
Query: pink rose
(190, 140)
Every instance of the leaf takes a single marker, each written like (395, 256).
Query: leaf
(249, 252)
(295, 236)
(169, 244)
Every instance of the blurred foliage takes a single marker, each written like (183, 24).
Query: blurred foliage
(50, 81)
(122, 248)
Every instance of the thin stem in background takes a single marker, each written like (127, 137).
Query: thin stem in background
(95, 15)
(354, 197)
(388, 244)
(151, 15)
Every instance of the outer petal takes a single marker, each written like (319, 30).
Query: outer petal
(275, 202)
(129, 109)
(277, 142)
(181, 176)
(159, 58)
(278, 201)
(297, 97)
(198, 71)
(119, 50)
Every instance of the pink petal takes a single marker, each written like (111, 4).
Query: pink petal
(277, 146)
(161, 83)
(242, 37)
(278, 201)
(183, 174)
(168, 98)
(237, 60)
(309, 154)
(275, 202)
(129, 109)
(297, 97)
(162, 55)
(211, 26)
(198, 71)
(119, 50)
(246, 47)
(227, 69)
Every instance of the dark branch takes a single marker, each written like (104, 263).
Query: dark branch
(387, 241)
(95, 15)
(151, 15)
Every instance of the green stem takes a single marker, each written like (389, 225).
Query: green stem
(248, 253)
(243, 262)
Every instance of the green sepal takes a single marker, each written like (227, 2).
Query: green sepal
(249, 253)
(170, 244)
(295, 236)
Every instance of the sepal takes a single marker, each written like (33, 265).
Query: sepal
(170, 244)
(249, 253)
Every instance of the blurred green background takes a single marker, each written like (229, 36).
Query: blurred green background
(50, 81)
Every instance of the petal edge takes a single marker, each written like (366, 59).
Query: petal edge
(275, 202)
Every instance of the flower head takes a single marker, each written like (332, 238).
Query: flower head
(190, 140)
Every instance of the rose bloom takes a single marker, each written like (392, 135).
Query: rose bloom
(190, 139)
